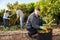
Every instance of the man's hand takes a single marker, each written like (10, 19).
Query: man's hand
(43, 27)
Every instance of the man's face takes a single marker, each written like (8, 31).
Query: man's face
(37, 12)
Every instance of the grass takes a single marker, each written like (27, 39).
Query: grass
(12, 28)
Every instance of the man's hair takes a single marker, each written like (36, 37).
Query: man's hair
(37, 9)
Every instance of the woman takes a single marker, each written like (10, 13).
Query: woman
(6, 18)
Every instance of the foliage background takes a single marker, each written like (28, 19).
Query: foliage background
(49, 8)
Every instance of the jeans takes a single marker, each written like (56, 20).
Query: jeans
(6, 23)
(21, 22)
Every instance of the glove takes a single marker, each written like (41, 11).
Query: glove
(45, 18)
(42, 27)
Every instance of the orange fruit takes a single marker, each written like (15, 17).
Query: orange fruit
(47, 31)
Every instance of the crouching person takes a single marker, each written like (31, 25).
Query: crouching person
(34, 23)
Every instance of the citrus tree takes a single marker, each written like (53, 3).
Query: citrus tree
(49, 9)
(26, 8)
(1, 16)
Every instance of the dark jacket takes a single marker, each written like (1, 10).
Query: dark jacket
(33, 24)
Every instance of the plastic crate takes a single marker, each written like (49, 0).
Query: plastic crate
(45, 36)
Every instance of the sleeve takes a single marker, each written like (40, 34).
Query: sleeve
(28, 24)
(10, 15)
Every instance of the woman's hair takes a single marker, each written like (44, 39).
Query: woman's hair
(7, 10)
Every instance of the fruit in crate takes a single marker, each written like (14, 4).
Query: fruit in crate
(45, 29)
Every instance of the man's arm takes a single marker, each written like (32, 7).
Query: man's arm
(28, 24)
(17, 13)
(34, 25)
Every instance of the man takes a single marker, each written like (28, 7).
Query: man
(20, 15)
(34, 23)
